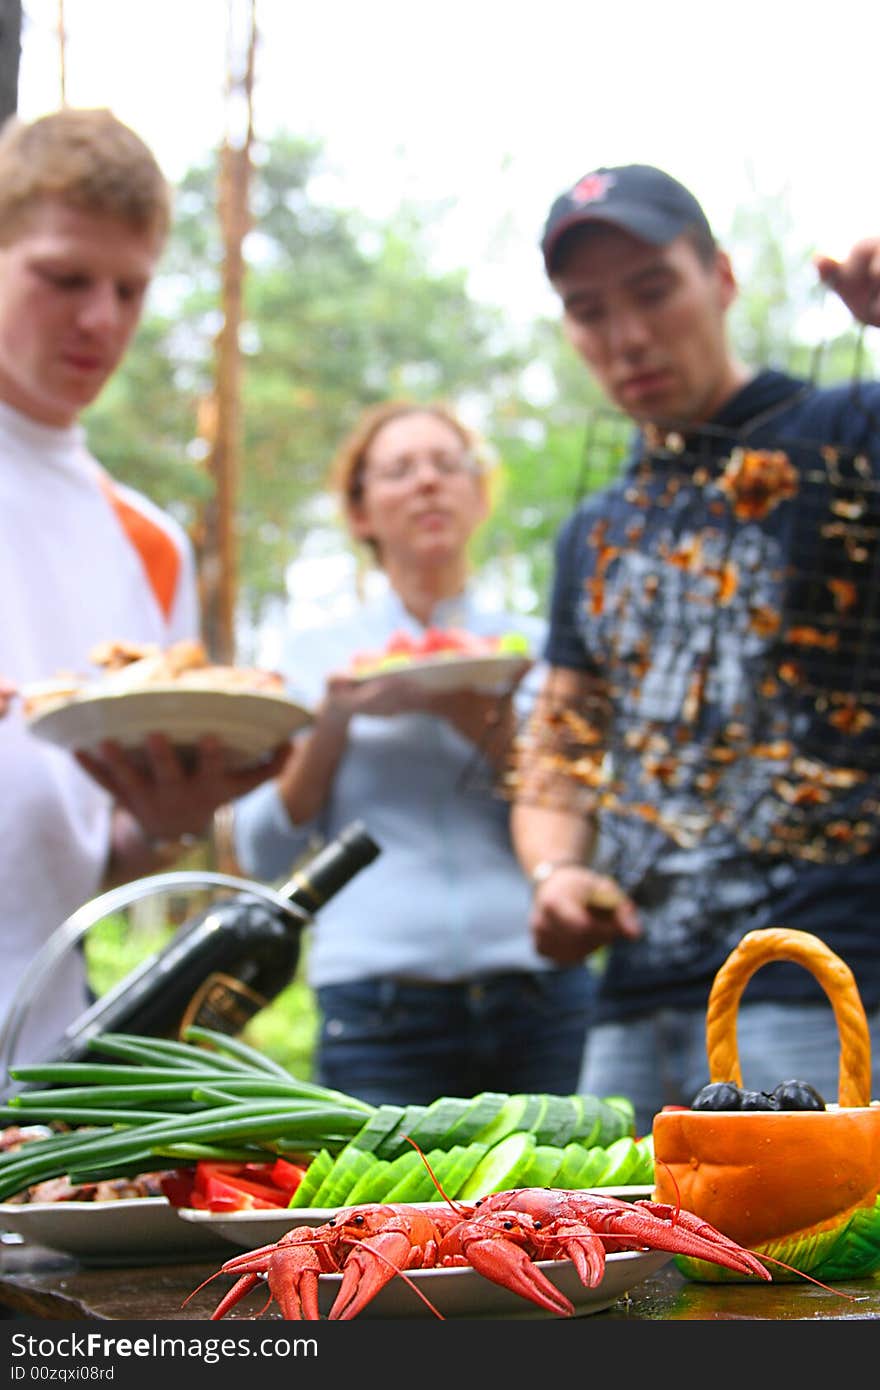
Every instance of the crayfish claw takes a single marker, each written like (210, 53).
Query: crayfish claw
(371, 1265)
(508, 1264)
(293, 1281)
(683, 1233)
(584, 1249)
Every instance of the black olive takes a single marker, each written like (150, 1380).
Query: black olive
(758, 1100)
(797, 1095)
(718, 1095)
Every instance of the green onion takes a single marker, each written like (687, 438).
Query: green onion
(167, 1100)
(217, 1153)
(164, 1052)
(234, 1047)
(98, 1072)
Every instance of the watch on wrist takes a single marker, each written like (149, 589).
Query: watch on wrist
(542, 871)
(171, 848)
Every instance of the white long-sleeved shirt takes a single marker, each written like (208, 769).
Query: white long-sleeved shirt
(70, 578)
(445, 899)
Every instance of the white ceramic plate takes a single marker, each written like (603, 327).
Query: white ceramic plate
(250, 723)
(463, 1293)
(486, 673)
(136, 1230)
(248, 1229)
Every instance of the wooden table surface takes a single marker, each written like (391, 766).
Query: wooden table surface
(36, 1283)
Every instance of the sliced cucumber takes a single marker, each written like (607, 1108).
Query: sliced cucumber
(547, 1159)
(500, 1167)
(536, 1109)
(405, 1163)
(574, 1158)
(557, 1121)
(350, 1164)
(432, 1130)
(313, 1177)
(595, 1161)
(481, 1111)
(418, 1185)
(507, 1121)
(587, 1127)
(623, 1159)
(624, 1106)
(534, 1104)
(455, 1177)
(372, 1184)
(395, 1142)
(380, 1124)
(386, 1174)
(614, 1123)
(568, 1117)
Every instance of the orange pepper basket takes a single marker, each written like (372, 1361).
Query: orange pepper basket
(800, 1186)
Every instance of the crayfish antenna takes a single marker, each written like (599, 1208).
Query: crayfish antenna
(201, 1286)
(793, 1269)
(671, 1176)
(456, 1206)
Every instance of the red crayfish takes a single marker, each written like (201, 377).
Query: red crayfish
(501, 1236)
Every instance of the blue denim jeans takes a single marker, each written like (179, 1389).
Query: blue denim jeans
(660, 1059)
(397, 1043)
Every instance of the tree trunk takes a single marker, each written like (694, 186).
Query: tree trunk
(10, 56)
(219, 560)
(219, 554)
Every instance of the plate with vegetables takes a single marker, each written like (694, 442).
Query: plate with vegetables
(232, 1132)
(448, 659)
(136, 1230)
(395, 1172)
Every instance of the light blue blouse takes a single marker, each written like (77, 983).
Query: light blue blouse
(445, 899)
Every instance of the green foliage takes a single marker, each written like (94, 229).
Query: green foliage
(776, 317)
(113, 950)
(286, 1029)
(339, 313)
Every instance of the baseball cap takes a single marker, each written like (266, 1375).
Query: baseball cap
(638, 198)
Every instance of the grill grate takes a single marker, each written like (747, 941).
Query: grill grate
(730, 598)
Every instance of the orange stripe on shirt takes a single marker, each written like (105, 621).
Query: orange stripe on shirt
(159, 555)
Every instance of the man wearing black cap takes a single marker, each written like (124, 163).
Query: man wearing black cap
(707, 740)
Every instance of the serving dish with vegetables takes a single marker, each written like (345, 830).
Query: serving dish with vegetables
(224, 1129)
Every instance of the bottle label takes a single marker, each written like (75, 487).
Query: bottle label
(223, 1004)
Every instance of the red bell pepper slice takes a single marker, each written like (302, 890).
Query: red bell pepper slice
(234, 1186)
(242, 1186)
(287, 1175)
(222, 1194)
(178, 1185)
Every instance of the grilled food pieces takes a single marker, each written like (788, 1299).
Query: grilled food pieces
(129, 666)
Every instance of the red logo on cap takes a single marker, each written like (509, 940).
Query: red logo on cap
(591, 188)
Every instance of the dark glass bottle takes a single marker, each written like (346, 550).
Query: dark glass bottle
(227, 963)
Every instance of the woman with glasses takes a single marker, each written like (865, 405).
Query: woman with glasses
(426, 980)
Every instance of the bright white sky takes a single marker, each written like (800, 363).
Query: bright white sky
(497, 105)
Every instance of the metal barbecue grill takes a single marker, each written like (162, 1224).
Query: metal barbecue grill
(732, 606)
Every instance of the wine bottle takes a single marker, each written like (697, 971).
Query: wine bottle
(224, 965)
